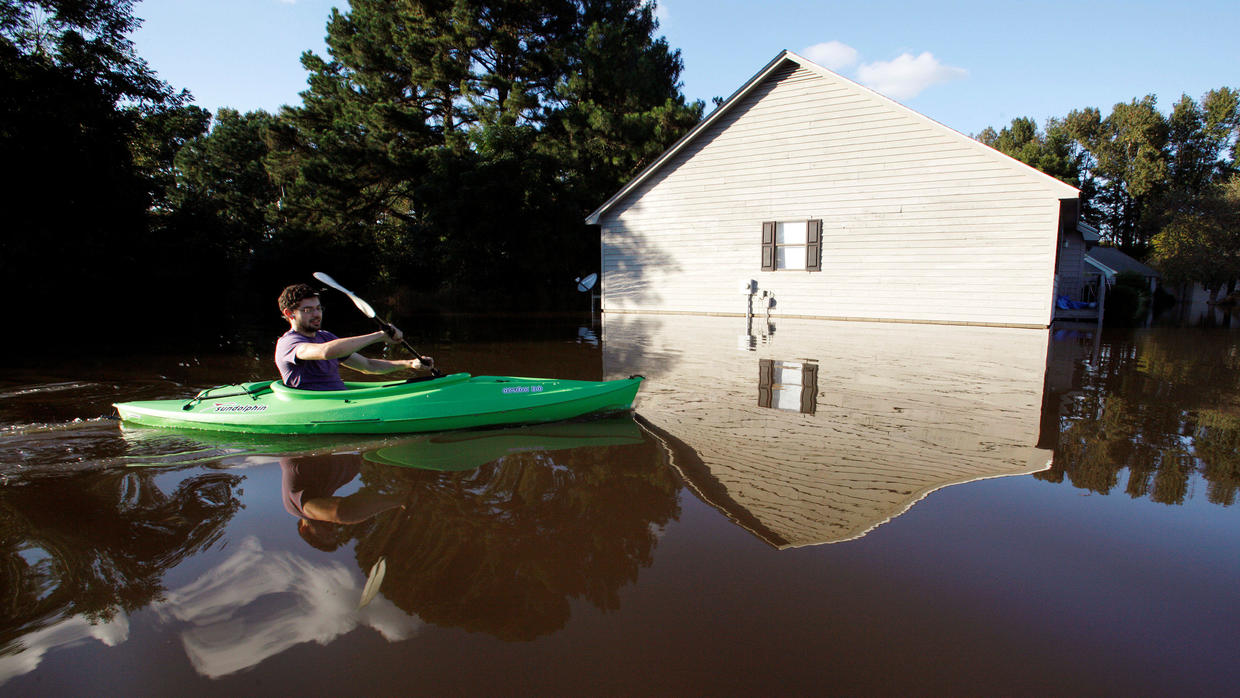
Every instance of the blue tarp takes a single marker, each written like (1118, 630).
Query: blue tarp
(1067, 304)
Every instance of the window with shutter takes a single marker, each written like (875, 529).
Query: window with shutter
(768, 246)
(813, 246)
(792, 245)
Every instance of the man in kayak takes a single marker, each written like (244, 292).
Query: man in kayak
(308, 356)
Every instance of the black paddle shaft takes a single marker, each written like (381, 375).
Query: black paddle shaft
(391, 332)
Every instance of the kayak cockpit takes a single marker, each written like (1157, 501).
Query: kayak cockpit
(371, 390)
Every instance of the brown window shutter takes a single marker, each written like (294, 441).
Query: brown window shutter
(766, 378)
(813, 246)
(809, 388)
(768, 246)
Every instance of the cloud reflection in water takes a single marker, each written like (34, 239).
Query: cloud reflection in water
(257, 604)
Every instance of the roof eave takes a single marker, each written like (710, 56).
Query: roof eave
(1061, 189)
(1099, 265)
(676, 147)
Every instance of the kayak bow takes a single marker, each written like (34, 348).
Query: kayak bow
(456, 401)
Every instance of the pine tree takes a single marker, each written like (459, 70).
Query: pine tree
(462, 142)
(92, 130)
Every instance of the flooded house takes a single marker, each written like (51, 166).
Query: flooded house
(810, 196)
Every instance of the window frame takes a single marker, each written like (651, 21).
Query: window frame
(812, 245)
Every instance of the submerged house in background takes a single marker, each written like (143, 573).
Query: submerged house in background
(840, 204)
(1109, 261)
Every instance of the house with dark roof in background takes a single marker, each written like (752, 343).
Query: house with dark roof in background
(1109, 261)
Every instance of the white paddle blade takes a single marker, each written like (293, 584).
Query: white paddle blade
(361, 304)
(331, 282)
(373, 582)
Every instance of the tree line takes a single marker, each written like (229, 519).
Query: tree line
(444, 154)
(1162, 188)
(448, 149)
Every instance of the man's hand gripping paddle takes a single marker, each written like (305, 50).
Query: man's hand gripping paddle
(370, 313)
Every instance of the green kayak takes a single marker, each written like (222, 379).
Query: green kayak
(457, 401)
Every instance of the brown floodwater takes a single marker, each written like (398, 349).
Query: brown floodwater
(793, 507)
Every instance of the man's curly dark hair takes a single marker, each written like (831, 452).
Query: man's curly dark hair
(292, 295)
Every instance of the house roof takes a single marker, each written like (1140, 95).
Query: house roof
(1112, 261)
(1089, 232)
(1063, 191)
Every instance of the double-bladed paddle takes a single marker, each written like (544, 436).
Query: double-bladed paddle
(369, 312)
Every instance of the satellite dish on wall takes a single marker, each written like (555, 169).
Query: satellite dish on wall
(585, 283)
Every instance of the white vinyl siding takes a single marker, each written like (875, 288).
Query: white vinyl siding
(919, 223)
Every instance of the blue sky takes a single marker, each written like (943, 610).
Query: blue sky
(968, 64)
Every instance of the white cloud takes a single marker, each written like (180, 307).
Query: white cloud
(660, 11)
(832, 55)
(906, 76)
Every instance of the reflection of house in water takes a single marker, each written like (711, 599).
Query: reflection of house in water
(898, 411)
(1071, 351)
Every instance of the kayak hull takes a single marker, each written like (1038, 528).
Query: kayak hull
(457, 401)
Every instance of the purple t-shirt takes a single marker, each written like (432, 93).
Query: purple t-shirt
(308, 375)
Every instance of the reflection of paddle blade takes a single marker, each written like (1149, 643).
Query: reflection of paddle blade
(373, 582)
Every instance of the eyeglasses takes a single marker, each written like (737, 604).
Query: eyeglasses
(309, 309)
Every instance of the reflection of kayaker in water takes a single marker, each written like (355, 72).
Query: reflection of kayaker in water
(308, 488)
(309, 356)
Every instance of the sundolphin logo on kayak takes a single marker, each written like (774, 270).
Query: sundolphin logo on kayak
(523, 389)
(234, 407)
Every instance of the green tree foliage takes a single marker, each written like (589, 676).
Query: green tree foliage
(1127, 161)
(1155, 185)
(1202, 241)
(1128, 300)
(448, 146)
(455, 146)
(91, 130)
(621, 104)
(1199, 135)
(1050, 151)
(219, 221)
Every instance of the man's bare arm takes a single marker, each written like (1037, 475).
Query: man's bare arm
(364, 364)
(337, 348)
